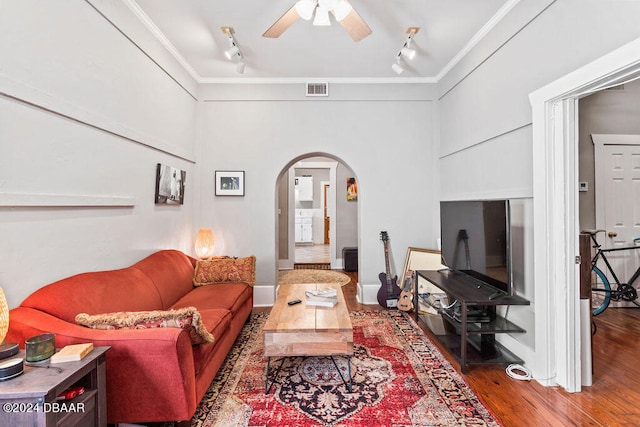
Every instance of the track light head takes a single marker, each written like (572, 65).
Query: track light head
(232, 52)
(240, 67)
(397, 67)
(407, 52)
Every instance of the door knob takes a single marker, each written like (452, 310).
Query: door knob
(612, 234)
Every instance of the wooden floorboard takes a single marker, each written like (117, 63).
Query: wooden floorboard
(612, 400)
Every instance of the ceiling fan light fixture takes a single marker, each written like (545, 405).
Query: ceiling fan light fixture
(322, 17)
(305, 8)
(341, 9)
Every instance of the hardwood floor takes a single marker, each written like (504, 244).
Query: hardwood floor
(612, 400)
(312, 254)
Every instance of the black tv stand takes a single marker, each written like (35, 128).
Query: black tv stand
(475, 323)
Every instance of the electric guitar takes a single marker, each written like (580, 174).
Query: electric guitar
(405, 301)
(389, 291)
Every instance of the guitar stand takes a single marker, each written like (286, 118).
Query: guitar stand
(349, 385)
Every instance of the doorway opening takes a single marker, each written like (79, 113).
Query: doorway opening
(564, 357)
(314, 221)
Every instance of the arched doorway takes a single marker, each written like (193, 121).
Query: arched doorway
(330, 219)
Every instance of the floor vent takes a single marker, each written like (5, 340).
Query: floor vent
(317, 89)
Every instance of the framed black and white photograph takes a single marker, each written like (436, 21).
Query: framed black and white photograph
(169, 185)
(229, 183)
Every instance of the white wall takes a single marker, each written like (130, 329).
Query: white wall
(85, 115)
(383, 133)
(485, 119)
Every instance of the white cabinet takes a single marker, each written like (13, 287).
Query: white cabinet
(304, 188)
(304, 229)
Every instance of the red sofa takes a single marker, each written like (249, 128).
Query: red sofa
(152, 374)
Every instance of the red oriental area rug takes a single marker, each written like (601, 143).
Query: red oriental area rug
(399, 379)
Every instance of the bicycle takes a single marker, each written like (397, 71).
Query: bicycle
(601, 297)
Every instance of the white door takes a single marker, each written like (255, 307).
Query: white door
(617, 161)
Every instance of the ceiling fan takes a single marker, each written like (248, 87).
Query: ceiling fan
(344, 13)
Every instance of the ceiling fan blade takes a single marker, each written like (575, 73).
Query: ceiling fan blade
(355, 26)
(281, 25)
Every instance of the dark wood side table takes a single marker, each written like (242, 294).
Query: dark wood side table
(30, 399)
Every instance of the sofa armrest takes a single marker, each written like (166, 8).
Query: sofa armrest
(143, 365)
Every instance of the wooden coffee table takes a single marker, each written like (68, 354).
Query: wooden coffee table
(305, 330)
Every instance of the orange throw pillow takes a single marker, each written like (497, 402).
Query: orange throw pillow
(187, 318)
(225, 270)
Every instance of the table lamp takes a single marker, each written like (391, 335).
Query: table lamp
(205, 243)
(6, 350)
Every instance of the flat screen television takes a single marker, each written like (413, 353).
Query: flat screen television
(475, 240)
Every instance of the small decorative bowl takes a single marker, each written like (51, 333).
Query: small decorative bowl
(40, 347)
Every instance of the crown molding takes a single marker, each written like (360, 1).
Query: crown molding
(298, 80)
(159, 35)
(486, 28)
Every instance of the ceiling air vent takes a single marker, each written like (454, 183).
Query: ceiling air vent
(318, 89)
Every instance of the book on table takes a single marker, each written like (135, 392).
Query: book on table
(72, 353)
(322, 292)
(322, 301)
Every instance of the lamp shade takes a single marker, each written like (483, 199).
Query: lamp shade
(205, 243)
(341, 10)
(322, 17)
(4, 316)
(305, 8)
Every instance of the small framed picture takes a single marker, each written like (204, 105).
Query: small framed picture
(229, 183)
(169, 185)
(352, 190)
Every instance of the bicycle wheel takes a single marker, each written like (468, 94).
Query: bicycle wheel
(600, 296)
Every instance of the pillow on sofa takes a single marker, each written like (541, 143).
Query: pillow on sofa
(187, 318)
(225, 270)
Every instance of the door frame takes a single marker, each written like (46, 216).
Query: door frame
(559, 334)
(323, 190)
(332, 166)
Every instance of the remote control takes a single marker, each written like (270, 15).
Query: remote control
(295, 301)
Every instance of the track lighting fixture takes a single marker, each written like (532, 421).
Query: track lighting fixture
(234, 50)
(405, 51)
